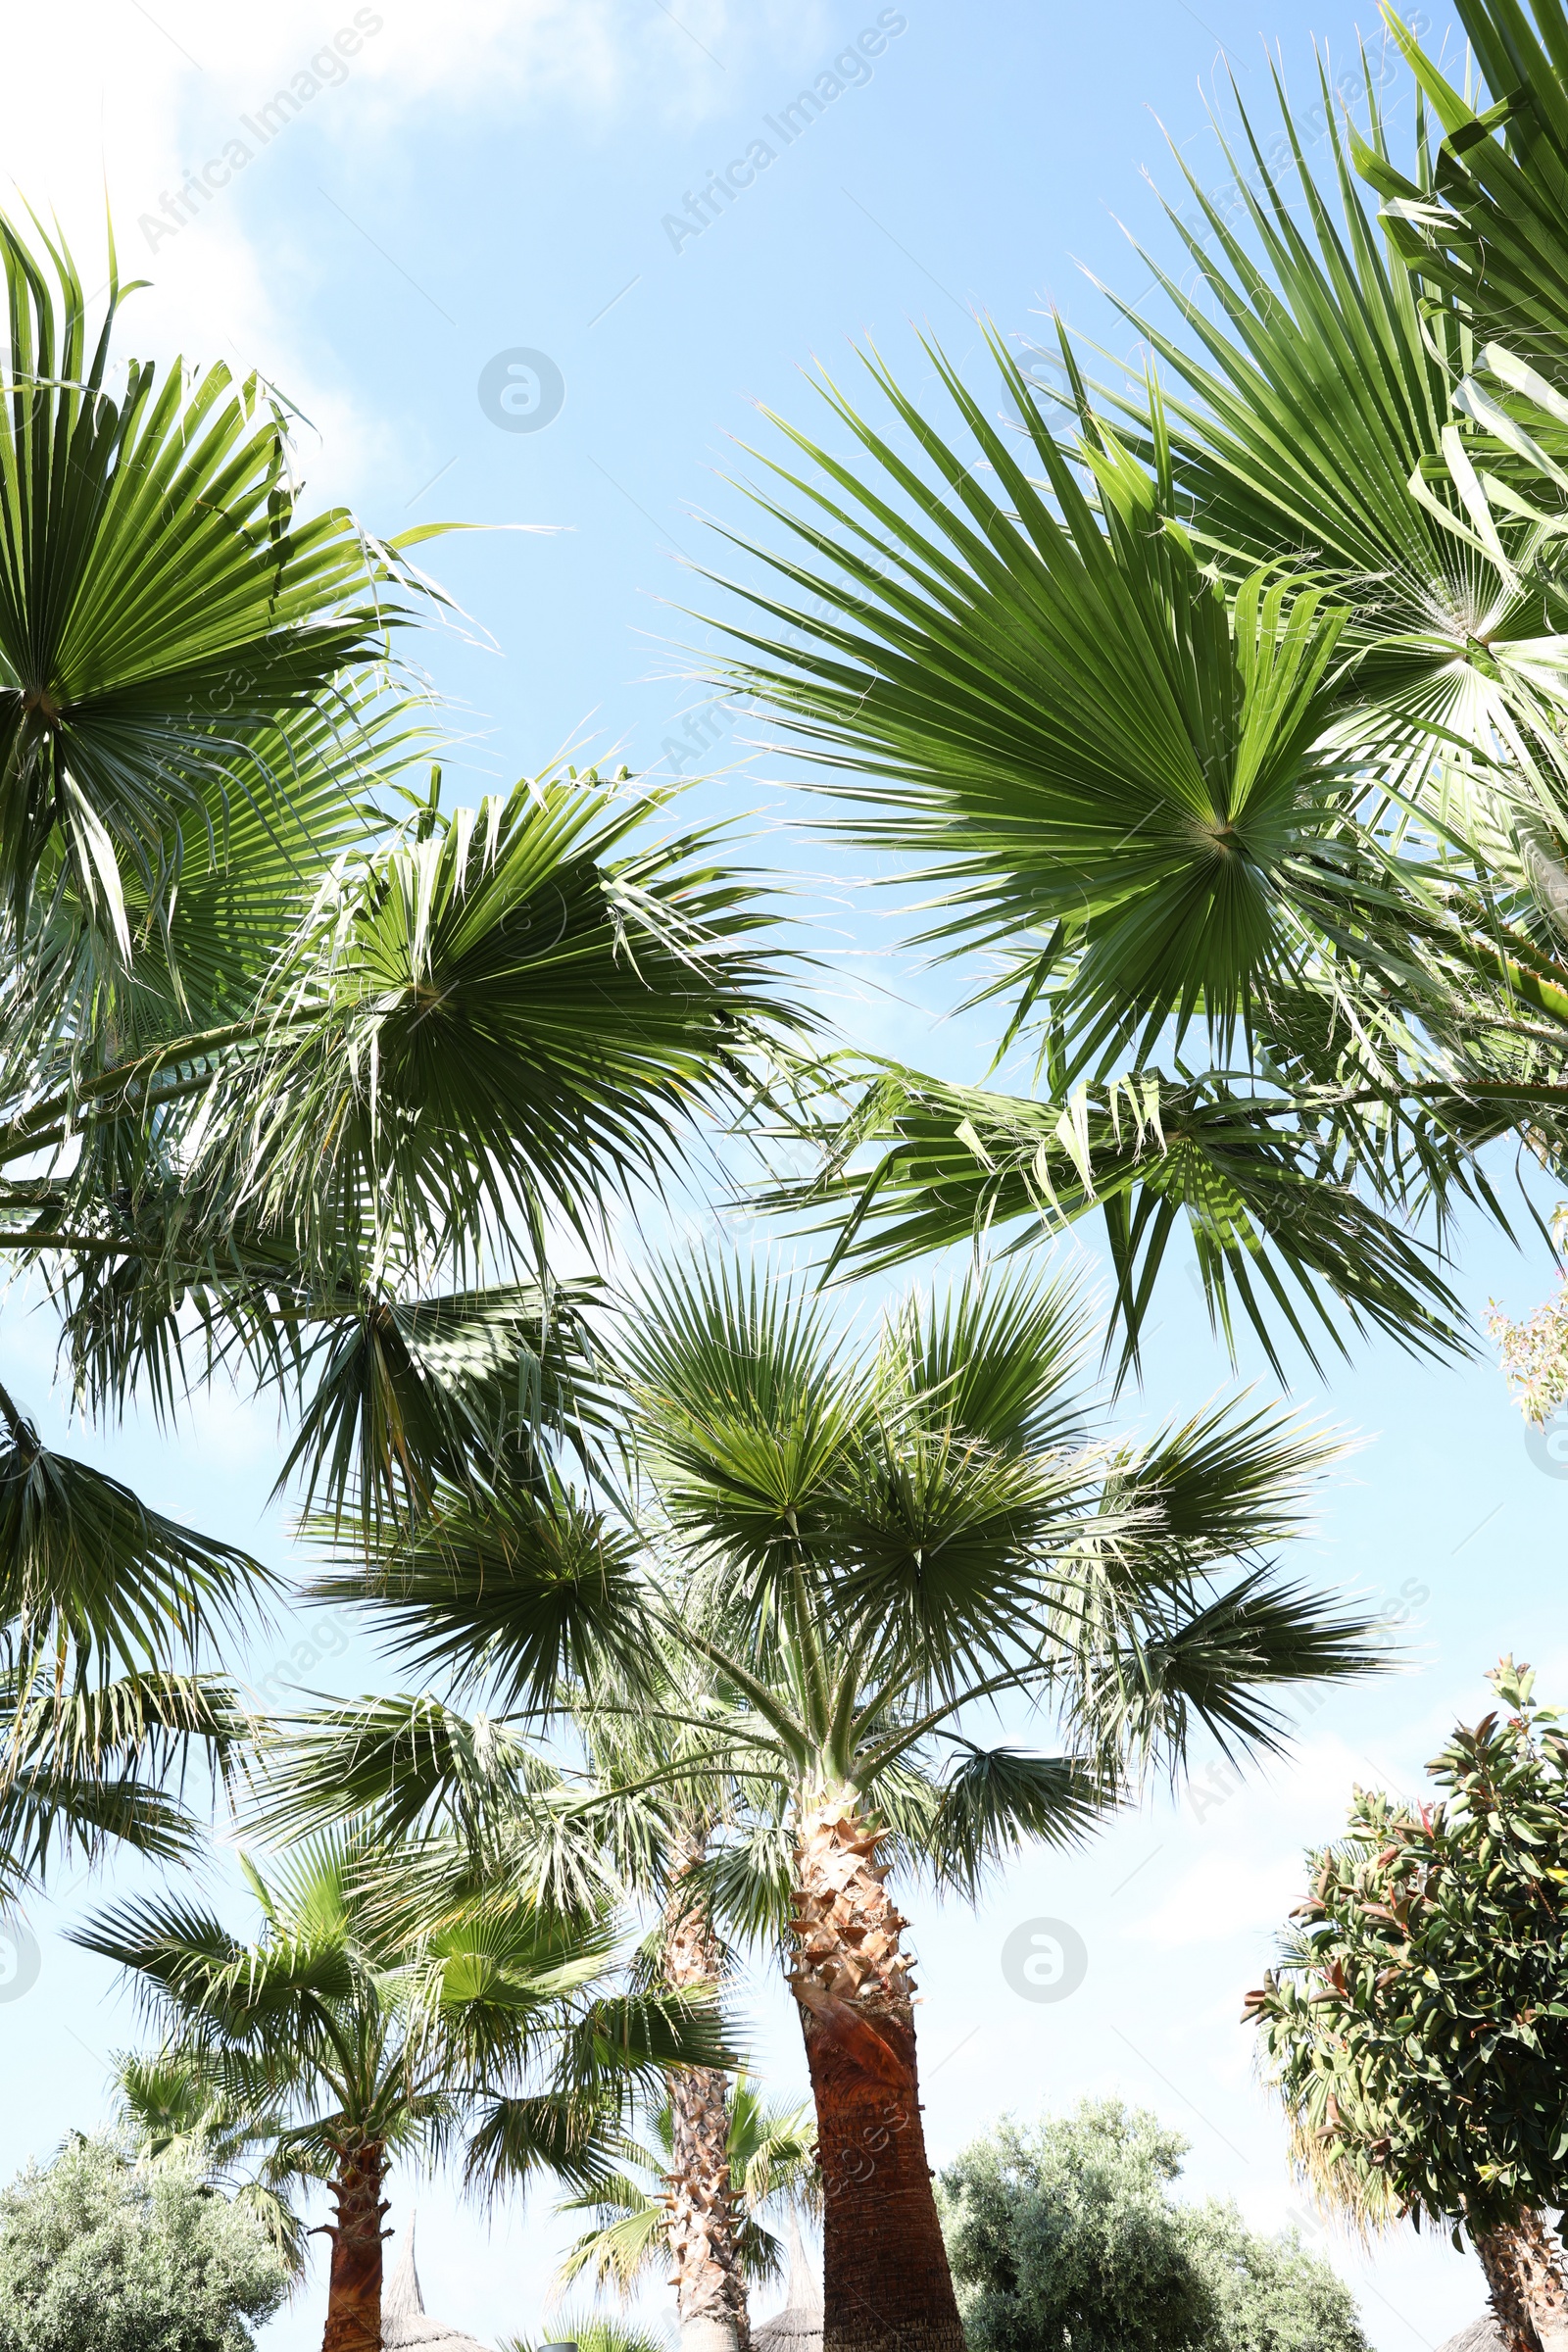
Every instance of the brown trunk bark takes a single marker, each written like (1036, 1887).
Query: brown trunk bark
(703, 2238)
(1505, 2291)
(1528, 2294)
(886, 2283)
(354, 2285)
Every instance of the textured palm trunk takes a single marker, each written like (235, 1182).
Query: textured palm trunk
(354, 2285)
(1505, 2291)
(1524, 2276)
(703, 2241)
(885, 2283)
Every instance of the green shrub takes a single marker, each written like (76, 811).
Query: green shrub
(1066, 2239)
(101, 2254)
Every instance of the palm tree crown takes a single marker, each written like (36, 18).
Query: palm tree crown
(1221, 713)
(496, 2032)
(852, 1557)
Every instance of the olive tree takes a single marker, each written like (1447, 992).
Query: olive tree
(99, 2253)
(1067, 2234)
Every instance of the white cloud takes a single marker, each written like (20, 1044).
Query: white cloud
(1244, 1835)
(155, 94)
(151, 92)
(1221, 1895)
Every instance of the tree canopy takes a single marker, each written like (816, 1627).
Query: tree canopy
(1417, 2025)
(101, 2254)
(1066, 2237)
(1218, 710)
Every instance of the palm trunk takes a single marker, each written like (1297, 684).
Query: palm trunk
(1525, 2282)
(886, 2284)
(354, 2286)
(704, 2241)
(1506, 2289)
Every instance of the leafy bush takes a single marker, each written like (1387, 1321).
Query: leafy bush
(101, 2254)
(1416, 2027)
(1067, 2236)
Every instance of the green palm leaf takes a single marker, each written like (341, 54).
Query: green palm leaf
(1077, 729)
(442, 1392)
(95, 1583)
(1260, 1186)
(996, 1801)
(523, 1585)
(498, 1013)
(1483, 229)
(160, 600)
(406, 1765)
(88, 1771)
(625, 2248)
(736, 1382)
(590, 2334)
(1313, 434)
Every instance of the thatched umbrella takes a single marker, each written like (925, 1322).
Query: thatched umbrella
(404, 2325)
(1482, 2335)
(798, 2327)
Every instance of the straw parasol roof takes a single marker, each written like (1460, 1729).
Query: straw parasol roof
(1482, 2335)
(404, 2325)
(798, 2327)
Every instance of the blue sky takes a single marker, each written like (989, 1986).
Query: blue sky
(483, 180)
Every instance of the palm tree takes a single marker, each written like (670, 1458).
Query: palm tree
(175, 2103)
(498, 2033)
(283, 1082)
(1220, 711)
(771, 2155)
(638, 1747)
(858, 1556)
(411, 1084)
(468, 1803)
(177, 644)
(872, 1551)
(164, 607)
(705, 2224)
